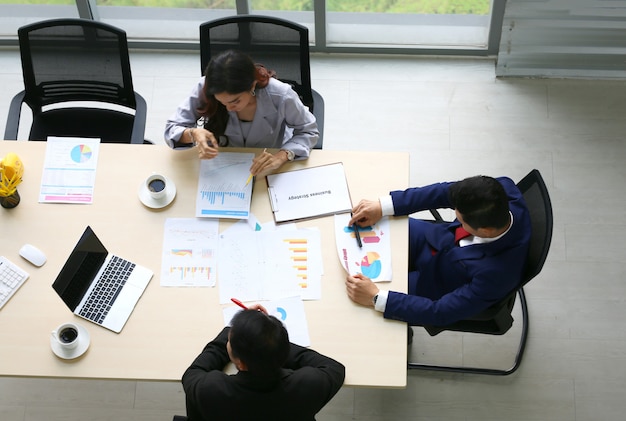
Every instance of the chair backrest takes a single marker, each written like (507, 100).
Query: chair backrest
(75, 60)
(278, 44)
(539, 205)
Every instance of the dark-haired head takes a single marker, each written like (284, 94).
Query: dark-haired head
(260, 341)
(231, 72)
(482, 202)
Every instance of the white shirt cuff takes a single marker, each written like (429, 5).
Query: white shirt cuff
(386, 205)
(381, 301)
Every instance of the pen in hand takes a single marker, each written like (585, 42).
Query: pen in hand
(250, 176)
(355, 228)
(239, 303)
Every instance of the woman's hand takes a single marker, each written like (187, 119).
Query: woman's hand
(266, 162)
(204, 141)
(366, 213)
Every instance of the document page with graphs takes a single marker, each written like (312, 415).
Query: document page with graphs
(223, 187)
(69, 172)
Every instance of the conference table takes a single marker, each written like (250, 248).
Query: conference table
(170, 325)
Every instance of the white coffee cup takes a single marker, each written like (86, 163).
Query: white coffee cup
(156, 185)
(66, 335)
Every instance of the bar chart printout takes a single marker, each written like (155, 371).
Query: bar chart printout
(189, 252)
(223, 191)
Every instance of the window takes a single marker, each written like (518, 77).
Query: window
(344, 26)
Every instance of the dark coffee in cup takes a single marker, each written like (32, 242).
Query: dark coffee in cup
(68, 335)
(156, 185)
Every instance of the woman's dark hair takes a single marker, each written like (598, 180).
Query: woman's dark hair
(260, 341)
(232, 72)
(482, 201)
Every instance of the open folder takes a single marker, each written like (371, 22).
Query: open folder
(309, 192)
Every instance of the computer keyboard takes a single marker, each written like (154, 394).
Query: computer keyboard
(11, 279)
(108, 287)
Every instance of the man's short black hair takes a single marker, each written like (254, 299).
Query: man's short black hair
(260, 341)
(482, 202)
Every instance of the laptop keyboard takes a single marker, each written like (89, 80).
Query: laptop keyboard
(107, 289)
(11, 278)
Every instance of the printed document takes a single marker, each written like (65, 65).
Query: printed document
(269, 264)
(289, 310)
(69, 172)
(374, 258)
(309, 192)
(189, 256)
(223, 187)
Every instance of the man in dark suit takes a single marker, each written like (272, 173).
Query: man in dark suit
(450, 280)
(276, 380)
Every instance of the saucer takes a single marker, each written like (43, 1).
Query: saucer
(149, 201)
(68, 354)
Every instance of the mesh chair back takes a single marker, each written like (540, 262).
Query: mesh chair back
(75, 60)
(276, 43)
(539, 205)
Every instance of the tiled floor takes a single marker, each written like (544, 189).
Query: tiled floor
(457, 120)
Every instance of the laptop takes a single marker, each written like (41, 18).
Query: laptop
(98, 286)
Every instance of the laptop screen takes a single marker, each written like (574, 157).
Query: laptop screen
(80, 269)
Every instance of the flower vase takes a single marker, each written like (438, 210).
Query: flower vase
(10, 201)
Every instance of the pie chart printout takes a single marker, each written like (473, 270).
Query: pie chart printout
(81, 153)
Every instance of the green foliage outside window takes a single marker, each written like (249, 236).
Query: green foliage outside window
(454, 7)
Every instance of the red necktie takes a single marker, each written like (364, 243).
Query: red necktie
(460, 234)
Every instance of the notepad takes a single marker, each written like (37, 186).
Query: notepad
(309, 192)
(223, 190)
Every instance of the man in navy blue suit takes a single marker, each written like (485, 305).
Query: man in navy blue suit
(456, 269)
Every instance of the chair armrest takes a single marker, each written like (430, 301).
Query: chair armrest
(139, 124)
(13, 118)
(318, 112)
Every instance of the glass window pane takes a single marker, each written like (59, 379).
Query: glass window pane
(408, 23)
(282, 5)
(17, 13)
(163, 20)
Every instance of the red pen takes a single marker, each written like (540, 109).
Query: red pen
(239, 303)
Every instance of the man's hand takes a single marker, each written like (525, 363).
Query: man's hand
(366, 213)
(265, 163)
(361, 289)
(257, 307)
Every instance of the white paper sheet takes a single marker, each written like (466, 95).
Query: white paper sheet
(268, 264)
(189, 256)
(69, 172)
(223, 191)
(374, 258)
(288, 310)
(309, 192)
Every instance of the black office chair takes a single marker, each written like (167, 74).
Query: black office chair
(278, 44)
(68, 63)
(497, 319)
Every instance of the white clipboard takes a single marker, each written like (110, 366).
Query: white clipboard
(309, 192)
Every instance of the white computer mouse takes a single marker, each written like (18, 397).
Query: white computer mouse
(33, 254)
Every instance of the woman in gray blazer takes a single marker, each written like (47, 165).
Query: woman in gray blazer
(240, 104)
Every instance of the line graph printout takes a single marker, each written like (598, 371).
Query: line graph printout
(222, 188)
(189, 256)
(69, 172)
(266, 265)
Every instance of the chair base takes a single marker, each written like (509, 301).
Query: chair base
(487, 371)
